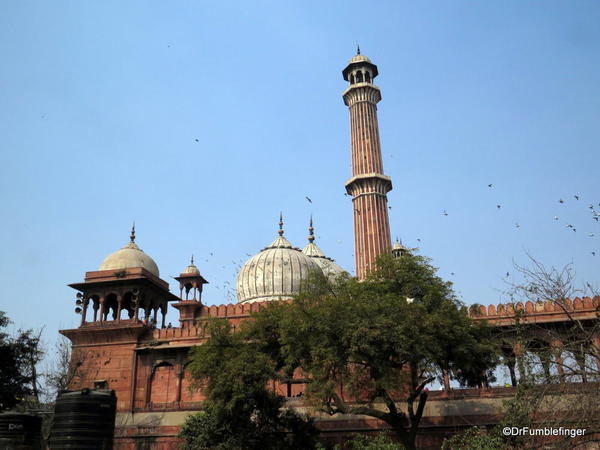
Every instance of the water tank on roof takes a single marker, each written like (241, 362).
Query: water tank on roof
(84, 419)
(20, 431)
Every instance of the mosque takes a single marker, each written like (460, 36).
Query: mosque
(124, 338)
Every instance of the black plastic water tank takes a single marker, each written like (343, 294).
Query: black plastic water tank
(20, 431)
(84, 419)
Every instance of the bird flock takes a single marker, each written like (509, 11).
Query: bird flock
(595, 215)
(228, 288)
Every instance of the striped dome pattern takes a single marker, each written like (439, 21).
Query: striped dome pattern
(275, 273)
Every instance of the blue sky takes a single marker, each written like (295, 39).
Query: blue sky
(101, 104)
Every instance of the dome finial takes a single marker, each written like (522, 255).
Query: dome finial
(280, 232)
(192, 260)
(132, 236)
(311, 231)
(357, 48)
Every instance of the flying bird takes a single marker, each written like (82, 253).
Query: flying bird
(508, 274)
(561, 201)
(490, 185)
(576, 197)
(517, 225)
(445, 213)
(593, 253)
(555, 217)
(196, 140)
(591, 234)
(498, 206)
(309, 200)
(418, 240)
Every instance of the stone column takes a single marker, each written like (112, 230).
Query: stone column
(119, 305)
(102, 308)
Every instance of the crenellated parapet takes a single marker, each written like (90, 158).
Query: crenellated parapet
(585, 308)
(232, 310)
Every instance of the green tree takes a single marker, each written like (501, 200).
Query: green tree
(19, 356)
(474, 439)
(383, 339)
(240, 412)
(367, 347)
(381, 441)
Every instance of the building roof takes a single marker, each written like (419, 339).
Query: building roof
(326, 264)
(276, 272)
(129, 256)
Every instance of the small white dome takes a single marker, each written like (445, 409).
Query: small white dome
(359, 58)
(191, 269)
(326, 264)
(275, 273)
(128, 257)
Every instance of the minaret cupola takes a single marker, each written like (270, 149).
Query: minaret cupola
(360, 69)
(191, 280)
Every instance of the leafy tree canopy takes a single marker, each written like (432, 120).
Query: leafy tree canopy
(383, 339)
(18, 357)
(240, 412)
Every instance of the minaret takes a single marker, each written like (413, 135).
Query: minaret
(368, 185)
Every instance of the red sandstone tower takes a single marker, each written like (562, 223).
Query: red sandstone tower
(368, 185)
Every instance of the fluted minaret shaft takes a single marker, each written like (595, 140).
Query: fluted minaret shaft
(368, 185)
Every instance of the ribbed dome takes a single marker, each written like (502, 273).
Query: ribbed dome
(128, 257)
(326, 264)
(274, 273)
(360, 58)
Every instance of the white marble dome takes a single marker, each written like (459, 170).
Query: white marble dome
(326, 264)
(329, 267)
(360, 58)
(275, 273)
(129, 256)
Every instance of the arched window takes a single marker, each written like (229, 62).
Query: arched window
(368, 76)
(359, 77)
(352, 81)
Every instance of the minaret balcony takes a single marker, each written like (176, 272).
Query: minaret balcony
(369, 183)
